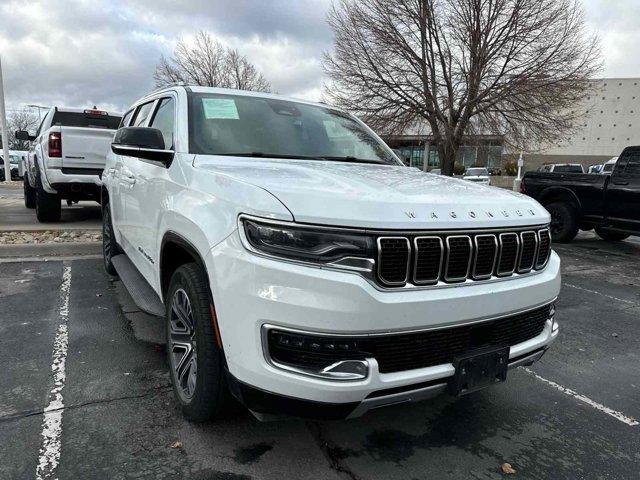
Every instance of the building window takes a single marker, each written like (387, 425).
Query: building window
(613, 139)
(617, 111)
(601, 111)
(614, 125)
(598, 138)
(618, 98)
(620, 84)
(583, 138)
(603, 98)
(599, 124)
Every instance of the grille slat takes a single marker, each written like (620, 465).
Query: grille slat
(508, 254)
(529, 243)
(458, 258)
(393, 260)
(544, 249)
(428, 259)
(450, 258)
(485, 256)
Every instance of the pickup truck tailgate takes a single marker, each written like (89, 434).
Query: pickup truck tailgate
(85, 148)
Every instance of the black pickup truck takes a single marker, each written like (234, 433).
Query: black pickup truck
(610, 204)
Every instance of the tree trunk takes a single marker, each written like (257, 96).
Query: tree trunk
(447, 156)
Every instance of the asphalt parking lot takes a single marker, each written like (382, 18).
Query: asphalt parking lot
(84, 381)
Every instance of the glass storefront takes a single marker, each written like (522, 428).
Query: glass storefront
(486, 152)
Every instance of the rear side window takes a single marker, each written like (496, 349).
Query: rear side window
(633, 166)
(164, 120)
(142, 114)
(86, 120)
(568, 169)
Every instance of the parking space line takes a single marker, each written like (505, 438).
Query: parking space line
(598, 293)
(49, 455)
(592, 403)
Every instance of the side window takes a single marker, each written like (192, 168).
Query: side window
(142, 113)
(164, 120)
(633, 165)
(125, 120)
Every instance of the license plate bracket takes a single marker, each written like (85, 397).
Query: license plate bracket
(478, 370)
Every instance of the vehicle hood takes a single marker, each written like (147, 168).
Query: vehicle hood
(377, 196)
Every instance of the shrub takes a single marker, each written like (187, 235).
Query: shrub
(458, 169)
(511, 168)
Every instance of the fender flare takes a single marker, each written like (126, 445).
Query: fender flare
(548, 194)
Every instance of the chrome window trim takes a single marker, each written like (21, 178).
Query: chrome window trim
(515, 264)
(379, 261)
(475, 257)
(535, 251)
(537, 266)
(415, 261)
(446, 268)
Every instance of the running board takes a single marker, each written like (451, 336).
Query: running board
(141, 292)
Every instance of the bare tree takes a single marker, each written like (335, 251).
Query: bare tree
(20, 120)
(463, 66)
(209, 63)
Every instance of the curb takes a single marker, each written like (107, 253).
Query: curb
(50, 249)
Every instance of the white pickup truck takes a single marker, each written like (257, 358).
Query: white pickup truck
(66, 159)
(299, 265)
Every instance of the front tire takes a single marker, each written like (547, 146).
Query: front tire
(48, 207)
(110, 247)
(195, 359)
(29, 193)
(564, 222)
(611, 236)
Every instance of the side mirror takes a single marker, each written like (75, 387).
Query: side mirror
(141, 142)
(24, 136)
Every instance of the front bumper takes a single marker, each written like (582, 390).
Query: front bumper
(252, 291)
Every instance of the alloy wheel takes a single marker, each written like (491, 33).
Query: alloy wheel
(183, 347)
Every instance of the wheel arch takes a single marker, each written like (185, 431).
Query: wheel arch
(560, 194)
(176, 250)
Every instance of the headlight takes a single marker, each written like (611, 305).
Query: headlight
(310, 244)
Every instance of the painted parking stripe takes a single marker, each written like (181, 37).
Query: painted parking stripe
(592, 403)
(599, 293)
(49, 456)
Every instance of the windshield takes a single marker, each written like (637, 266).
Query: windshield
(254, 126)
(476, 172)
(568, 169)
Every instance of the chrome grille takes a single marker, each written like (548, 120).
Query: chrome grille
(453, 257)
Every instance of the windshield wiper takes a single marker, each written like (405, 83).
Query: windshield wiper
(349, 158)
(270, 155)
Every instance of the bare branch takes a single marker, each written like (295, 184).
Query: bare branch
(463, 67)
(209, 63)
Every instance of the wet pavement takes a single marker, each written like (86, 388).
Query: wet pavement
(569, 416)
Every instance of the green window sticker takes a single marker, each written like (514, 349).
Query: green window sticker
(220, 108)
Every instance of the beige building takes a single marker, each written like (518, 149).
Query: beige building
(613, 123)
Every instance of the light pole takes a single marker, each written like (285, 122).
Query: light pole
(38, 107)
(5, 135)
(518, 180)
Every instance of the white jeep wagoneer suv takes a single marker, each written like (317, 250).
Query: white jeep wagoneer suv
(300, 266)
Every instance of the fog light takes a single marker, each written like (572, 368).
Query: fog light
(333, 358)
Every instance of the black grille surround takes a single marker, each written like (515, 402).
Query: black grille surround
(398, 352)
(454, 257)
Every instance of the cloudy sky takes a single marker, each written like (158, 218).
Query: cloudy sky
(81, 53)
